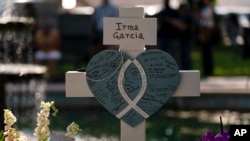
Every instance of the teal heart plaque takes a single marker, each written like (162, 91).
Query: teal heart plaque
(132, 89)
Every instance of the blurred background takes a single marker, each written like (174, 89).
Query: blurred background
(222, 56)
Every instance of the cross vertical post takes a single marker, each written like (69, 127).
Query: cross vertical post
(129, 133)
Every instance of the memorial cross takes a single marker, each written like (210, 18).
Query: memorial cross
(76, 83)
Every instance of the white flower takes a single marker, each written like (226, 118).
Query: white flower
(45, 112)
(9, 118)
(42, 121)
(42, 131)
(45, 131)
(73, 129)
(23, 138)
(46, 105)
(10, 133)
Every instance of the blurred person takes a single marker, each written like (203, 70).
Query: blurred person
(185, 35)
(47, 42)
(106, 9)
(167, 30)
(174, 33)
(246, 46)
(206, 30)
(195, 13)
(233, 30)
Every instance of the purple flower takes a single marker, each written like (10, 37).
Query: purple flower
(222, 136)
(209, 136)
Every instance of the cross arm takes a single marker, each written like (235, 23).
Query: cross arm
(189, 86)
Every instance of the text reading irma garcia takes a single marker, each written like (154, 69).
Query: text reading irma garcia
(124, 31)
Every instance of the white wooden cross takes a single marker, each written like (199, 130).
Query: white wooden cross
(189, 86)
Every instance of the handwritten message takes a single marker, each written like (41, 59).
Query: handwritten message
(127, 30)
(132, 89)
(102, 77)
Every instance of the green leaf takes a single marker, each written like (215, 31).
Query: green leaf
(1, 135)
(54, 109)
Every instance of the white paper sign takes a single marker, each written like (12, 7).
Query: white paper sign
(126, 30)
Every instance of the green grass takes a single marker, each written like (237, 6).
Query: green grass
(226, 62)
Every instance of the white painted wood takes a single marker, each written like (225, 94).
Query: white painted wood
(137, 133)
(132, 12)
(189, 85)
(76, 84)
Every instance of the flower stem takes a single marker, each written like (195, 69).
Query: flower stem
(221, 124)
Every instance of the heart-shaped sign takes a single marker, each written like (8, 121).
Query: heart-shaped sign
(132, 89)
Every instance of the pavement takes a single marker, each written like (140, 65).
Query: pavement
(225, 85)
